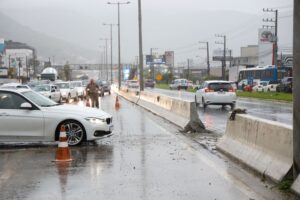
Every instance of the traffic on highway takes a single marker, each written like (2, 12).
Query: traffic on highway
(142, 100)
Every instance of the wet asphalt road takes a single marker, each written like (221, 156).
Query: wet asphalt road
(215, 118)
(146, 158)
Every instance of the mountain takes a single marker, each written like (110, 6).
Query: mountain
(46, 46)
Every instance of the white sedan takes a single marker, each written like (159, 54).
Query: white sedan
(27, 116)
(260, 87)
(50, 91)
(216, 92)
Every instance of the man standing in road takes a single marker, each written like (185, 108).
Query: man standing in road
(92, 90)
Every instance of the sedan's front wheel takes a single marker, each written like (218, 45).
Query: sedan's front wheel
(75, 132)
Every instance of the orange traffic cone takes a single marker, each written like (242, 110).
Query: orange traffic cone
(63, 152)
(117, 104)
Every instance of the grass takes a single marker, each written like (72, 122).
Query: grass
(267, 95)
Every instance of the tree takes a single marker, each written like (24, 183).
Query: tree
(67, 71)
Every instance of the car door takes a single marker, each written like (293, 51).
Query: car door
(72, 90)
(57, 93)
(16, 122)
(54, 94)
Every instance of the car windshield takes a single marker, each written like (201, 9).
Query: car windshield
(42, 88)
(63, 85)
(39, 99)
(220, 86)
(264, 83)
(77, 84)
(85, 83)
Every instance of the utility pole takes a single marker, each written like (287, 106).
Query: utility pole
(141, 61)
(188, 69)
(224, 55)
(275, 21)
(111, 49)
(102, 61)
(230, 58)
(105, 55)
(119, 40)
(208, 64)
(296, 90)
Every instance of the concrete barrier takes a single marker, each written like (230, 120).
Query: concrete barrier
(180, 112)
(263, 145)
(296, 186)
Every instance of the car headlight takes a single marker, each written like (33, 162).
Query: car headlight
(94, 120)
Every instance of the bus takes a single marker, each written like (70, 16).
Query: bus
(266, 73)
(49, 73)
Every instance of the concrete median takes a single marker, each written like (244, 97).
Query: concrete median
(263, 145)
(180, 112)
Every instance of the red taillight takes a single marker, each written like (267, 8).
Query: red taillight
(208, 90)
(232, 90)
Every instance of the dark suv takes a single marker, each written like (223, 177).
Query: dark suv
(286, 85)
(104, 86)
(149, 83)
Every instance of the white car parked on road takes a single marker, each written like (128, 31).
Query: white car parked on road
(50, 91)
(178, 84)
(80, 89)
(271, 87)
(67, 91)
(260, 86)
(216, 93)
(27, 116)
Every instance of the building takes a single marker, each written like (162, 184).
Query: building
(248, 58)
(17, 58)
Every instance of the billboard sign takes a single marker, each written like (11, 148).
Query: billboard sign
(218, 55)
(126, 72)
(155, 59)
(266, 37)
(169, 55)
(3, 72)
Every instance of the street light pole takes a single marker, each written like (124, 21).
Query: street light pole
(141, 61)
(119, 40)
(111, 50)
(224, 55)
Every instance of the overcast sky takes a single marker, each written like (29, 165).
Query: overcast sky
(167, 24)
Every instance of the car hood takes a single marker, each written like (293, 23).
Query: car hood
(77, 110)
(44, 92)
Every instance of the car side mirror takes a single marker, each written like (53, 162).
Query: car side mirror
(26, 106)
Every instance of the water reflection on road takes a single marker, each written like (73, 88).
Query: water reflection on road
(215, 117)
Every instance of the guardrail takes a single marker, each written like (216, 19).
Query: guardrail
(263, 145)
(180, 112)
